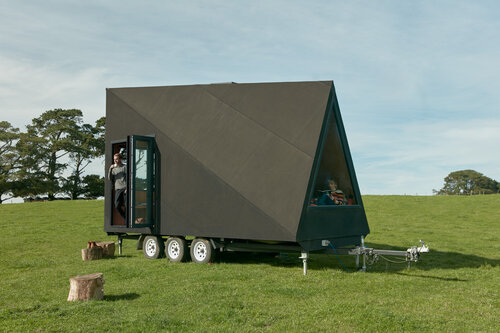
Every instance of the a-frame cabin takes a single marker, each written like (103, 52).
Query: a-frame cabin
(233, 163)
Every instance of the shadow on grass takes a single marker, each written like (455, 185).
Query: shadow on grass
(444, 260)
(117, 257)
(259, 258)
(272, 259)
(431, 277)
(428, 261)
(122, 297)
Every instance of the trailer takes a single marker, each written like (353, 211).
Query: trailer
(233, 167)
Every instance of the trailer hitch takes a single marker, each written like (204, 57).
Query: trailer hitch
(413, 253)
(371, 255)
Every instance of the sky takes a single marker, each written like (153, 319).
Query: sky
(417, 81)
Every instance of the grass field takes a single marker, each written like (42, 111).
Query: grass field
(455, 287)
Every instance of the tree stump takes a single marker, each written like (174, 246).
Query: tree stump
(108, 248)
(86, 287)
(92, 253)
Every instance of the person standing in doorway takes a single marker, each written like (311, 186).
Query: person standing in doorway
(117, 173)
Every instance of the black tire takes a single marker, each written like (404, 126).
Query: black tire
(176, 249)
(153, 247)
(202, 251)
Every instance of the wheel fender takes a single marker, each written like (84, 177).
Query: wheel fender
(140, 242)
(214, 245)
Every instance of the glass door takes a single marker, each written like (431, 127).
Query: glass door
(141, 182)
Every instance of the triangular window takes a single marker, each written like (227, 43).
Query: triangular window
(333, 184)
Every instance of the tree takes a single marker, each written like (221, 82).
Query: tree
(38, 162)
(93, 186)
(468, 182)
(8, 159)
(88, 143)
(41, 148)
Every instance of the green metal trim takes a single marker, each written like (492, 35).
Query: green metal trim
(309, 214)
(149, 193)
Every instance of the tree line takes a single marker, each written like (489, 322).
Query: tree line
(468, 182)
(49, 158)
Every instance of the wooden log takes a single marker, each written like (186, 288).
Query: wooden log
(86, 287)
(108, 248)
(92, 253)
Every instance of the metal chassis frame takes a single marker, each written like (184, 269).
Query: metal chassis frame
(412, 254)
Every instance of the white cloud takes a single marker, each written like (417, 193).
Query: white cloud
(416, 157)
(27, 90)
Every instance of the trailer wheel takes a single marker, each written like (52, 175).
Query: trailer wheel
(152, 247)
(176, 249)
(201, 251)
